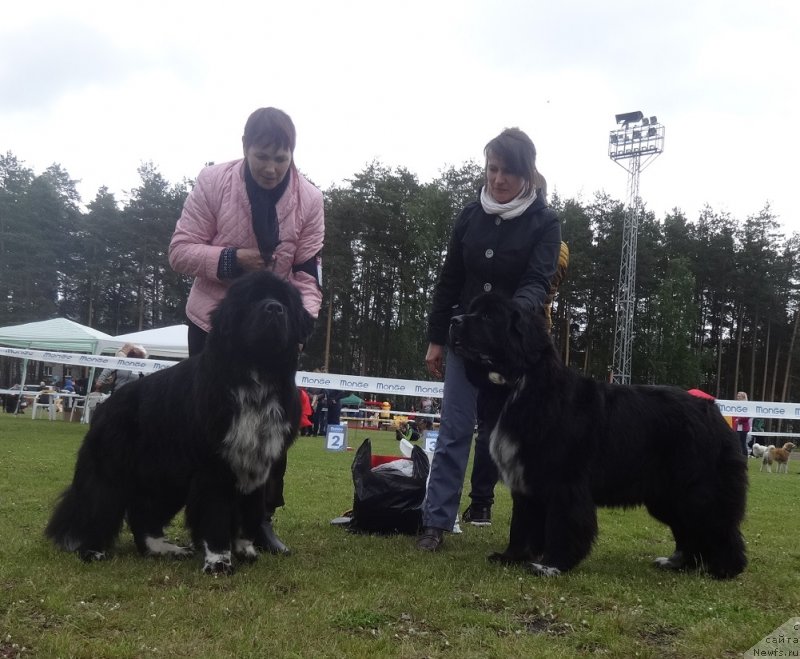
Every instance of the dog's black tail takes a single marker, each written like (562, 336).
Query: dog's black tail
(89, 514)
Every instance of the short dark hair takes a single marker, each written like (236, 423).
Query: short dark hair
(267, 127)
(517, 151)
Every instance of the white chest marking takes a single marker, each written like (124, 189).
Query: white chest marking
(505, 453)
(256, 438)
(505, 449)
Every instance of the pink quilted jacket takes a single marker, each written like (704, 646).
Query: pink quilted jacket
(217, 215)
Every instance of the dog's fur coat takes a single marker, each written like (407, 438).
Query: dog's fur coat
(566, 444)
(779, 455)
(204, 434)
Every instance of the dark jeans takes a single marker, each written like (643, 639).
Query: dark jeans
(460, 407)
(743, 441)
(274, 492)
(321, 420)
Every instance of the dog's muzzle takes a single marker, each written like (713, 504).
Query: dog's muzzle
(456, 330)
(458, 326)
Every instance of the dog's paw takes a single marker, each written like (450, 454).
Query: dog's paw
(245, 549)
(90, 555)
(505, 558)
(162, 547)
(222, 567)
(218, 563)
(677, 561)
(182, 553)
(543, 570)
(665, 563)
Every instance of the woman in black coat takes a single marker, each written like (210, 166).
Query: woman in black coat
(508, 241)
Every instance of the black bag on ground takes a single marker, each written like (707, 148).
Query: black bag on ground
(387, 501)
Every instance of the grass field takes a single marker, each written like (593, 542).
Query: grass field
(345, 595)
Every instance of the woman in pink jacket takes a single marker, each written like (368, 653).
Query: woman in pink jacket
(741, 424)
(256, 213)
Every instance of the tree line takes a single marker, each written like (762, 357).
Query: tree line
(716, 295)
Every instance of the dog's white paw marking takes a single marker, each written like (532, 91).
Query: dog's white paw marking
(217, 563)
(245, 549)
(496, 378)
(668, 563)
(90, 555)
(543, 570)
(162, 547)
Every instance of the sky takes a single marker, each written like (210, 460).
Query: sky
(102, 87)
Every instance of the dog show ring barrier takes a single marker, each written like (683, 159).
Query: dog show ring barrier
(362, 384)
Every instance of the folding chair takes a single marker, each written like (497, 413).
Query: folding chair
(78, 404)
(45, 400)
(90, 403)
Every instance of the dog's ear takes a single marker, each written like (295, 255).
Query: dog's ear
(530, 328)
(225, 317)
(305, 325)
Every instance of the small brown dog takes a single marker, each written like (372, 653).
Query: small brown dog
(778, 455)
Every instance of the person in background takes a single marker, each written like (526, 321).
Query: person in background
(305, 413)
(80, 386)
(508, 242)
(426, 405)
(46, 389)
(254, 213)
(67, 387)
(741, 424)
(321, 414)
(112, 379)
(335, 407)
(407, 430)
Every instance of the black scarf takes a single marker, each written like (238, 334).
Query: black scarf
(265, 215)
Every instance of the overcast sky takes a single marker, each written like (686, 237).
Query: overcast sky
(101, 87)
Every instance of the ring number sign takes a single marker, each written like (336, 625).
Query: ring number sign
(430, 440)
(336, 438)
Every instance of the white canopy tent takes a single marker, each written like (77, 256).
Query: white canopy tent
(169, 342)
(56, 334)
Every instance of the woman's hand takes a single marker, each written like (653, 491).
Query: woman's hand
(434, 359)
(250, 260)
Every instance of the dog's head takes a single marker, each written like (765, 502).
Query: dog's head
(503, 339)
(260, 318)
(789, 447)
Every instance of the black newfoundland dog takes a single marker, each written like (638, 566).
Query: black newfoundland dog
(203, 434)
(566, 444)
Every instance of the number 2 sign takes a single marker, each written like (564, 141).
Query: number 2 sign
(336, 438)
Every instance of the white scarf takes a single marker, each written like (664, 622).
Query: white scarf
(508, 211)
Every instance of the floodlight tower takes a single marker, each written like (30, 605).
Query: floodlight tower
(638, 140)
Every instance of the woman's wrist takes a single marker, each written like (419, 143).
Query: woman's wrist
(228, 266)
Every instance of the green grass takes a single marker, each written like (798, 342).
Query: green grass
(345, 595)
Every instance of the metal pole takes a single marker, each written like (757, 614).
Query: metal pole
(626, 289)
(328, 334)
(635, 138)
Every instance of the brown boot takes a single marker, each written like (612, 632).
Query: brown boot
(431, 539)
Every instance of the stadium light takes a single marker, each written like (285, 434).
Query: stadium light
(638, 148)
